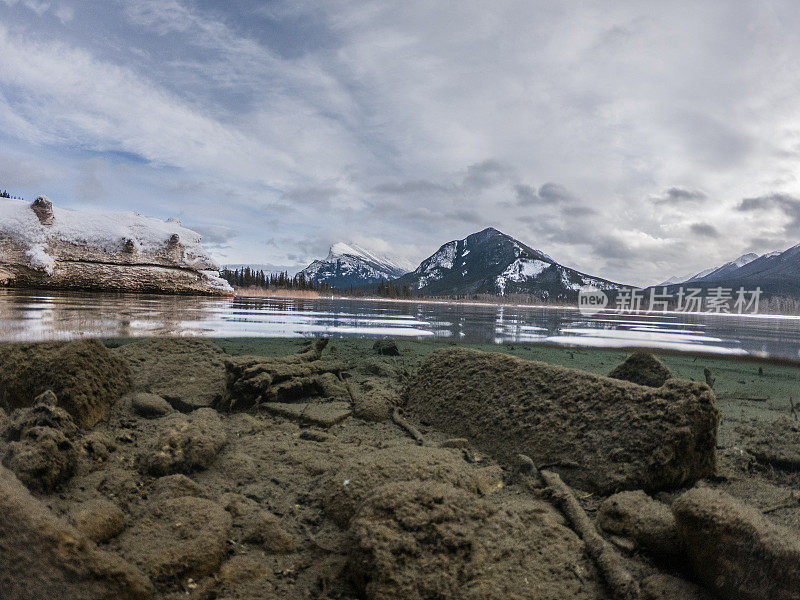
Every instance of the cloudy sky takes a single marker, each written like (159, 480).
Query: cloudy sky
(632, 140)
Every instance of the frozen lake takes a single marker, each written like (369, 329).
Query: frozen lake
(28, 316)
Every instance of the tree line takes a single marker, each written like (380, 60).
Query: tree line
(257, 278)
(248, 277)
(5, 194)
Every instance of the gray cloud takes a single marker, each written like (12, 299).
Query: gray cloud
(485, 174)
(551, 193)
(704, 229)
(676, 195)
(409, 188)
(789, 205)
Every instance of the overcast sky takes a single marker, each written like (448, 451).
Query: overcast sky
(631, 140)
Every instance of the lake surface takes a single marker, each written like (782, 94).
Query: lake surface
(29, 316)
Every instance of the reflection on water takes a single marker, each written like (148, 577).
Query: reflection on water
(50, 315)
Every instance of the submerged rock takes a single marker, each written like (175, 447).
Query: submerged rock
(43, 458)
(44, 412)
(187, 373)
(150, 406)
(375, 403)
(299, 377)
(642, 368)
(98, 519)
(176, 486)
(417, 540)
(85, 377)
(185, 443)
(41, 556)
(344, 490)
(178, 537)
(777, 444)
(40, 451)
(649, 523)
(386, 347)
(734, 549)
(265, 529)
(667, 587)
(598, 433)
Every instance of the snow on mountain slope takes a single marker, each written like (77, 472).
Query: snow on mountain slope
(351, 265)
(491, 262)
(714, 272)
(728, 267)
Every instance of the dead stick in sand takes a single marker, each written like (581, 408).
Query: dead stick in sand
(347, 386)
(413, 431)
(622, 585)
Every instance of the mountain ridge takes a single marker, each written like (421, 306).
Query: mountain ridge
(492, 262)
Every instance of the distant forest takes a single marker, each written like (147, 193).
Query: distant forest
(252, 278)
(5, 194)
(247, 277)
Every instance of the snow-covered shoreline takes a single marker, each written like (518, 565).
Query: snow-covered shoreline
(50, 247)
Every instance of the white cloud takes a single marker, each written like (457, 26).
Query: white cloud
(65, 14)
(619, 124)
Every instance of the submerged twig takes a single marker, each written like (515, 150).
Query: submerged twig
(412, 431)
(620, 582)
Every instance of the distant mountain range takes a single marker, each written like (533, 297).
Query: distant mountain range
(491, 262)
(350, 265)
(776, 273)
(716, 272)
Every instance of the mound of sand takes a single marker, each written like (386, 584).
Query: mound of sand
(417, 540)
(642, 368)
(187, 373)
(600, 434)
(734, 550)
(84, 375)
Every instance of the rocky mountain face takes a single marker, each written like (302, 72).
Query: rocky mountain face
(491, 262)
(349, 265)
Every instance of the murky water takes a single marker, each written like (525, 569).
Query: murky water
(48, 315)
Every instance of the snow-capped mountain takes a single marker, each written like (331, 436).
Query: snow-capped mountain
(776, 273)
(350, 265)
(716, 272)
(689, 277)
(491, 262)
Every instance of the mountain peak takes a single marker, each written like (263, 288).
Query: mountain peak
(351, 265)
(492, 262)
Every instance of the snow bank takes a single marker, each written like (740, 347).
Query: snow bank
(125, 238)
